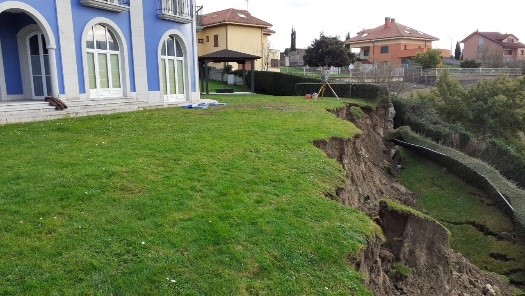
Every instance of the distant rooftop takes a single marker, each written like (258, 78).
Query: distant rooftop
(390, 30)
(232, 16)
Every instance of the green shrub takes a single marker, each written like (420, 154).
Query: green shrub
(399, 272)
(372, 92)
(277, 84)
(357, 112)
(469, 64)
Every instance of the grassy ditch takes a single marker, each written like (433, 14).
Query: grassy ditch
(475, 223)
(223, 201)
(514, 194)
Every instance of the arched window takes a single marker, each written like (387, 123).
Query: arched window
(103, 62)
(172, 70)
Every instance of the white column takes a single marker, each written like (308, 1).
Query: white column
(53, 71)
(139, 48)
(68, 48)
(195, 77)
(3, 92)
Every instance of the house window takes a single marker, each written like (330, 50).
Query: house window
(172, 69)
(508, 52)
(405, 47)
(384, 49)
(103, 62)
(366, 52)
(207, 38)
(201, 40)
(216, 40)
(522, 52)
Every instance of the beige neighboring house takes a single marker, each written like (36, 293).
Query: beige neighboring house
(489, 46)
(237, 30)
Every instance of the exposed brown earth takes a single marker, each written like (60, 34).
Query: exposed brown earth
(415, 257)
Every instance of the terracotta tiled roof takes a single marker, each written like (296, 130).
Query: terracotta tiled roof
(232, 16)
(389, 30)
(498, 38)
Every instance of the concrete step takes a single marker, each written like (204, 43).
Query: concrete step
(27, 111)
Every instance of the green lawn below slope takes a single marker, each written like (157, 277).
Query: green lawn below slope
(223, 201)
(473, 219)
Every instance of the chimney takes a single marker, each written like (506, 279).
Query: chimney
(387, 22)
(393, 20)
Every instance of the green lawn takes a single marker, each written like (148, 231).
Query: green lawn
(449, 200)
(223, 201)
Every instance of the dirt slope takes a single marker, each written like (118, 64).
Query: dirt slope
(415, 257)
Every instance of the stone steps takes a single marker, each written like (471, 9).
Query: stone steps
(26, 111)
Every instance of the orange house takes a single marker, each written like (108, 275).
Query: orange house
(391, 42)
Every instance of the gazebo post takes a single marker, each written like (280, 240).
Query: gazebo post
(244, 74)
(252, 76)
(206, 76)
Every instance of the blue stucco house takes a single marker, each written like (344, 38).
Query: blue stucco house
(95, 49)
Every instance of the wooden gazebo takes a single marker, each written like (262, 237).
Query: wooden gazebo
(226, 55)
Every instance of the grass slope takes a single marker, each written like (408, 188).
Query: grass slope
(514, 194)
(223, 201)
(448, 199)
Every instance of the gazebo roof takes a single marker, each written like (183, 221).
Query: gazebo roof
(227, 55)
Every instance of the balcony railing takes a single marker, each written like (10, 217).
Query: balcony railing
(111, 5)
(175, 10)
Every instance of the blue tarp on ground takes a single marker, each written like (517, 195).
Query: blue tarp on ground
(202, 105)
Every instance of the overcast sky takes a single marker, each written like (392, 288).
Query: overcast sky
(448, 20)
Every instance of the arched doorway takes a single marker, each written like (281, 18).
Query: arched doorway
(172, 70)
(103, 60)
(28, 69)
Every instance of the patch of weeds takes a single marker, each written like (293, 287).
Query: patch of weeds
(399, 272)
(357, 112)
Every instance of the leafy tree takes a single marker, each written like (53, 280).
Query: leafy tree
(326, 52)
(491, 108)
(469, 64)
(354, 57)
(429, 59)
(457, 52)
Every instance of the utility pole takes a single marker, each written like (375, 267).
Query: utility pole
(246, 5)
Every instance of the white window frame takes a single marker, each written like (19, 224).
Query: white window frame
(44, 75)
(164, 59)
(99, 92)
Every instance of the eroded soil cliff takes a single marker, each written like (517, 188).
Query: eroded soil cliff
(415, 257)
